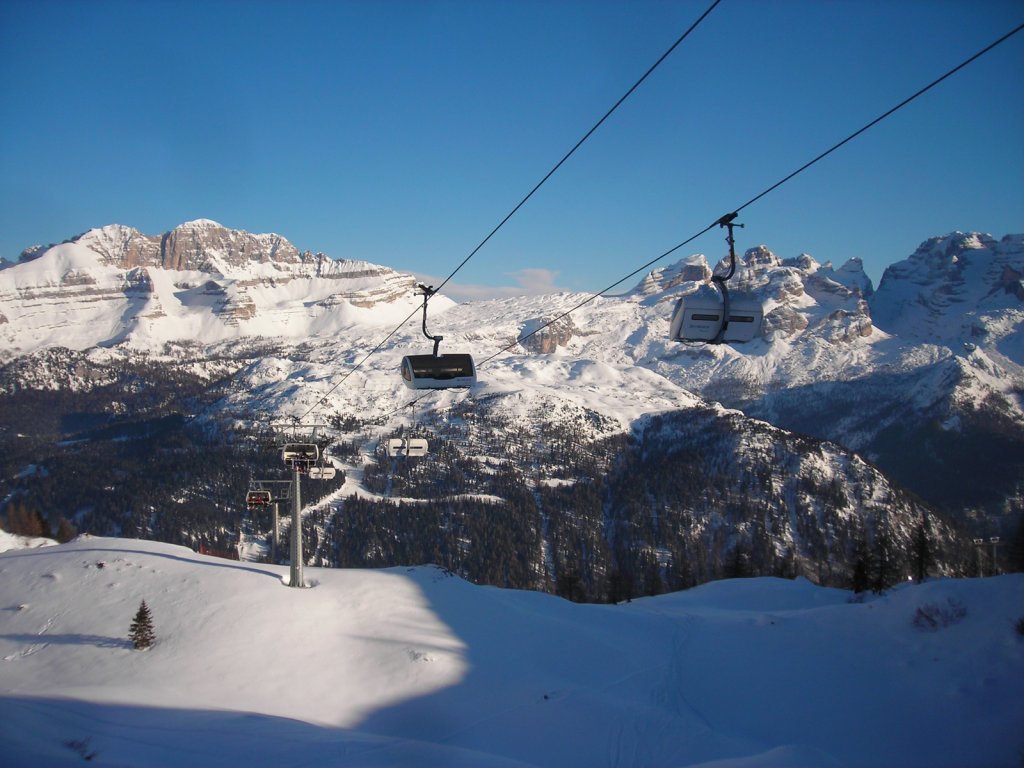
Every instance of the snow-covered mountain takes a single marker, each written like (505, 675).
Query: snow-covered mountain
(926, 388)
(414, 667)
(200, 282)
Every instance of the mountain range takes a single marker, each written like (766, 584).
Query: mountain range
(902, 400)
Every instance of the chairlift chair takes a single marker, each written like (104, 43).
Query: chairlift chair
(300, 456)
(407, 446)
(699, 318)
(437, 371)
(257, 499)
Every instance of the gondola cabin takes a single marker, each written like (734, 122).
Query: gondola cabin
(438, 372)
(699, 318)
(322, 473)
(257, 499)
(300, 455)
(411, 446)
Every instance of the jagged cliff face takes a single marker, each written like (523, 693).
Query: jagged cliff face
(199, 246)
(200, 281)
(956, 288)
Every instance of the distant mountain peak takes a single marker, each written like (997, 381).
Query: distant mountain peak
(201, 224)
(200, 281)
(760, 258)
(948, 285)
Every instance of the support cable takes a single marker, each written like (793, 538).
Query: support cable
(323, 398)
(757, 197)
(718, 222)
(882, 117)
(580, 142)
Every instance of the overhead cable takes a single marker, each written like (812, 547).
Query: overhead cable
(521, 203)
(579, 143)
(757, 197)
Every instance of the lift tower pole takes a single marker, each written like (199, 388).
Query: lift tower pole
(296, 569)
(300, 455)
(277, 533)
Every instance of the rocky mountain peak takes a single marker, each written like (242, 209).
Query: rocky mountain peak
(29, 254)
(115, 284)
(948, 281)
(853, 276)
(692, 269)
(760, 258)
(804, 262)
(201, 245)
(207, 246)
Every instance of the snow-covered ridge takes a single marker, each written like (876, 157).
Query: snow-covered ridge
(201, 281)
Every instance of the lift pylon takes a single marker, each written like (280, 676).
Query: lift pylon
(300, 451)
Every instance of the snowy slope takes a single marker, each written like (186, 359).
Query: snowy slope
(10, 541)
(211, 285)
(413, 667)
(201, 282)
(937, 352)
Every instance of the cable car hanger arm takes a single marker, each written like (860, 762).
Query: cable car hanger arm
(729, 221)
(428, 291)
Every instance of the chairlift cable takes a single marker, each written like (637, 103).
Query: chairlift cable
(675, 248)
(522, 202)
(600, 293)
(884, 115)
(757, 197)
(579, 143)
(323, 398)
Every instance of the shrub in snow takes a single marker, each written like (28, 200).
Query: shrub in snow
(141, 632)
(933, 616)
(81, 748)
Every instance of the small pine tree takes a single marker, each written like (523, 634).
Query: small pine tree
(66, 530)
(885, 559)
(921, 556)
(141, 632)
(862, 562)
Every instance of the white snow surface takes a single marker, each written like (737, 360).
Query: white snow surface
(412, 666)
(951, 315)
(13, 541)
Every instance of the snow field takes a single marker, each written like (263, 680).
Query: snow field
(414, 666)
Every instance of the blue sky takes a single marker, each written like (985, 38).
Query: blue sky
(403, 132)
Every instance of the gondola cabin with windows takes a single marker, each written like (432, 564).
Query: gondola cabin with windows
(702, 318)
(716, 316)
(438, 371)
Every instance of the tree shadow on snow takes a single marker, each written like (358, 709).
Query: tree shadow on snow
(200, 560)
(99, 641)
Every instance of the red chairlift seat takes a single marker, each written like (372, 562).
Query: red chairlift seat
(256, 499)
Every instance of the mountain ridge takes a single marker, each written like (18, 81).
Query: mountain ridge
(258, 343)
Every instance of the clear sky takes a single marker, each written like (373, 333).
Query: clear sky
(403, 132)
